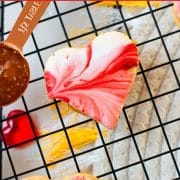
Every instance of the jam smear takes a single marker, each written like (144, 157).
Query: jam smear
(18, 129)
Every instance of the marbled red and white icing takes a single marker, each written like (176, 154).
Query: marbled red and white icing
(96, 79)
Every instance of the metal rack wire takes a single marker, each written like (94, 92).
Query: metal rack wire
(104, 145)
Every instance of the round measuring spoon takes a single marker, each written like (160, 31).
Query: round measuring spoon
(14, 69)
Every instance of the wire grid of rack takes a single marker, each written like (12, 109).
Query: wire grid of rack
(113, 171)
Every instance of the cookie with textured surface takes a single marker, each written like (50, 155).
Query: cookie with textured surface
(80, 176)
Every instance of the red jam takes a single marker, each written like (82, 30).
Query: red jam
(17, 130)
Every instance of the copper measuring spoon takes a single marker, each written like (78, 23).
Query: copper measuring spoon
(14, 69)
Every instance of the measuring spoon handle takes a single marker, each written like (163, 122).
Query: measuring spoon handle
(26, 22)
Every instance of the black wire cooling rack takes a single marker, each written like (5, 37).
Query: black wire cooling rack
(86, 6)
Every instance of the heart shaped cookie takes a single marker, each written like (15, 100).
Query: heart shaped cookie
(95, 79)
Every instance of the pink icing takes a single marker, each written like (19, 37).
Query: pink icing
(177, 7)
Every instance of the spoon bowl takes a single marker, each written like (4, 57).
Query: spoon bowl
(14, 74)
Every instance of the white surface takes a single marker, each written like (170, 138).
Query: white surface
(141, 117)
